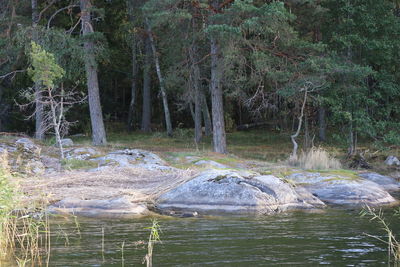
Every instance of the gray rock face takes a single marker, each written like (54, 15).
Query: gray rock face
(388, 183)
(343, 190)
(4, 148)
(35, 167)
(224, 191)
(392, 160)
(99, 208)
(26, 145)
(133, 158)
(66, 142)
(51, 164)
(82, 153)
(25, 158)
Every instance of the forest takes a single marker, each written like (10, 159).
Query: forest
(199, 132)
(212, 66)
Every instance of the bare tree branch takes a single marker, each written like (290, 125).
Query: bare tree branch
(13, 73)
(58, 11)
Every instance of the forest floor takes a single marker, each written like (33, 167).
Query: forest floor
(261, 145)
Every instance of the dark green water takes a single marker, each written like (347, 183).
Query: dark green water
(334, 237)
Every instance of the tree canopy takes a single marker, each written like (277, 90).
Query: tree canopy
(214, 64)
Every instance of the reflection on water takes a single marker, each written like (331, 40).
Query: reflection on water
(334, 237)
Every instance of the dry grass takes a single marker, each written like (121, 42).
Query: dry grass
(315, 159)
(138, 185)
(24, 238)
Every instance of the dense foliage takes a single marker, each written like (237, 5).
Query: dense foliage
(176, 54)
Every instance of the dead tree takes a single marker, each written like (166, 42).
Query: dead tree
(55, 102)
(307, 88)
(163, 92)
(293, 137)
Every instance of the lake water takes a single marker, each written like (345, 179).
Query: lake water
(333, 237)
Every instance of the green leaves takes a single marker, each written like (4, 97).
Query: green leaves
(45, 69)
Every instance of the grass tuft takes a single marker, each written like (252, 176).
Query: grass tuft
(315, 159)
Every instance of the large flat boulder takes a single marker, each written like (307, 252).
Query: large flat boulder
(225, 191)
(99, 208)
(343, 190)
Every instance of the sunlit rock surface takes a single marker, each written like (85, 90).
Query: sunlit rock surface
(224, 191)
(342, 190)
(99, 208)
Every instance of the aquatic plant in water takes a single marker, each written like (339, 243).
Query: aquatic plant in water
(393, 245)
(153, 238)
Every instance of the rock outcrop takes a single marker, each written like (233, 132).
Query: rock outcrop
(227, 192)
(129, 158)
(342, 190)
(100, 208)
(392, 161)
(82, 153)
(26, 157)
(386, 182)
(67, 142)
(27, 146)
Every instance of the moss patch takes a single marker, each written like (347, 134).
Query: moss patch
(75, 164)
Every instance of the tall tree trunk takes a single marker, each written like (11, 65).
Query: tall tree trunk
(132, 103)
(39, 131)
(96, 116)
(219, 135)
(195, 75)
(352, 150)
(146, 111)
(167, 115)
(322, 124)
(206, 115)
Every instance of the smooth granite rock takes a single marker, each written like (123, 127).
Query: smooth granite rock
(341, 190)
(99, 208)
(225, 191)
(388, 183)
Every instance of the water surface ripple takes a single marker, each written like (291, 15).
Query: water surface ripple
(334, 237)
